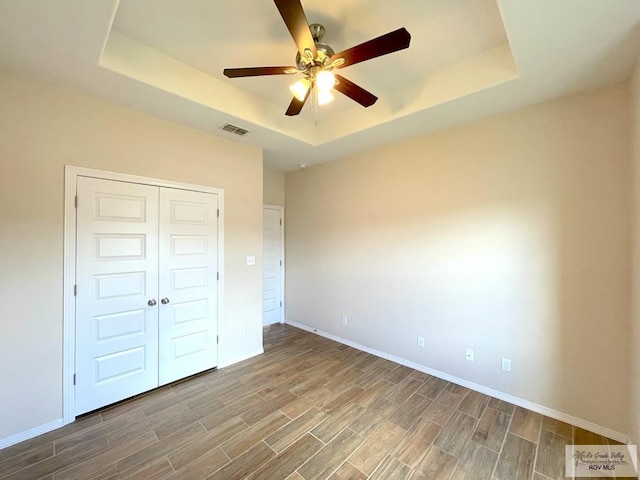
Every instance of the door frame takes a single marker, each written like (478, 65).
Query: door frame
(71, 174)
(282, 269)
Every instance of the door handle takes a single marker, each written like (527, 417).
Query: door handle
(152, 303)
(164, 301)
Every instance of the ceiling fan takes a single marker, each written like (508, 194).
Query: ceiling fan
(316, 60)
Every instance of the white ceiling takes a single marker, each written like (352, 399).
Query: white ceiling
(209, 36)
(468, 59)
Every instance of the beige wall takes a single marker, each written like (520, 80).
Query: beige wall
(273, 186)
(42, 128)
(635, 337)
(510, 236)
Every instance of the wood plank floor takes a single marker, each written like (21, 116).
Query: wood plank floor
(308, 409)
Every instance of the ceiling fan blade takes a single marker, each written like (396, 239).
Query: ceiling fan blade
(258, 71)
(295, 107)
(355, 92)
(293, 15)
(383, 45)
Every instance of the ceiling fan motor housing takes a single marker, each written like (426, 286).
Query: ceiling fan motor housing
(325, 52)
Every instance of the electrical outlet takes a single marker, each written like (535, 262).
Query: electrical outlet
(345, 321)
(506, 364)
(468, 355)
(251, 260)
(242, 333)
(421, 342)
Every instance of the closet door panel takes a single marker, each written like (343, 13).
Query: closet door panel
(188, 283)
(117, 279)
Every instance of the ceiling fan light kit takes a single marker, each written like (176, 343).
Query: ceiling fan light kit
(316, 60)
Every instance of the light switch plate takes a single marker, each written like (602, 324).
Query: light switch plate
(251, 260)
(506, 364)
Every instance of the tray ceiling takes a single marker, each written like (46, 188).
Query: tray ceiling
(468, 59)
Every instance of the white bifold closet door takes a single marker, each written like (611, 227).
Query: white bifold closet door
(146, 301)
(188, 283)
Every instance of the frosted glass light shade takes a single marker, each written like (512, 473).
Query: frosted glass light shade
(325, 80)
(300, 89)
(324, 97)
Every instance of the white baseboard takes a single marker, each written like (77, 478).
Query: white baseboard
(32, 432)
(233, 361)
(549, 412)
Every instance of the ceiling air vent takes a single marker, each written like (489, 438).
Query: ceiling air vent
(227, 127)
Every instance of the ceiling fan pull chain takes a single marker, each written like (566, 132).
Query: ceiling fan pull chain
(314, 100)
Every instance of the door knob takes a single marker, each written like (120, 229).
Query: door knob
(152, 303)
(164, 301)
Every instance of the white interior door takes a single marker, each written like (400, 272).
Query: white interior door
(271, 266)
(188, 288)
(116, 301)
